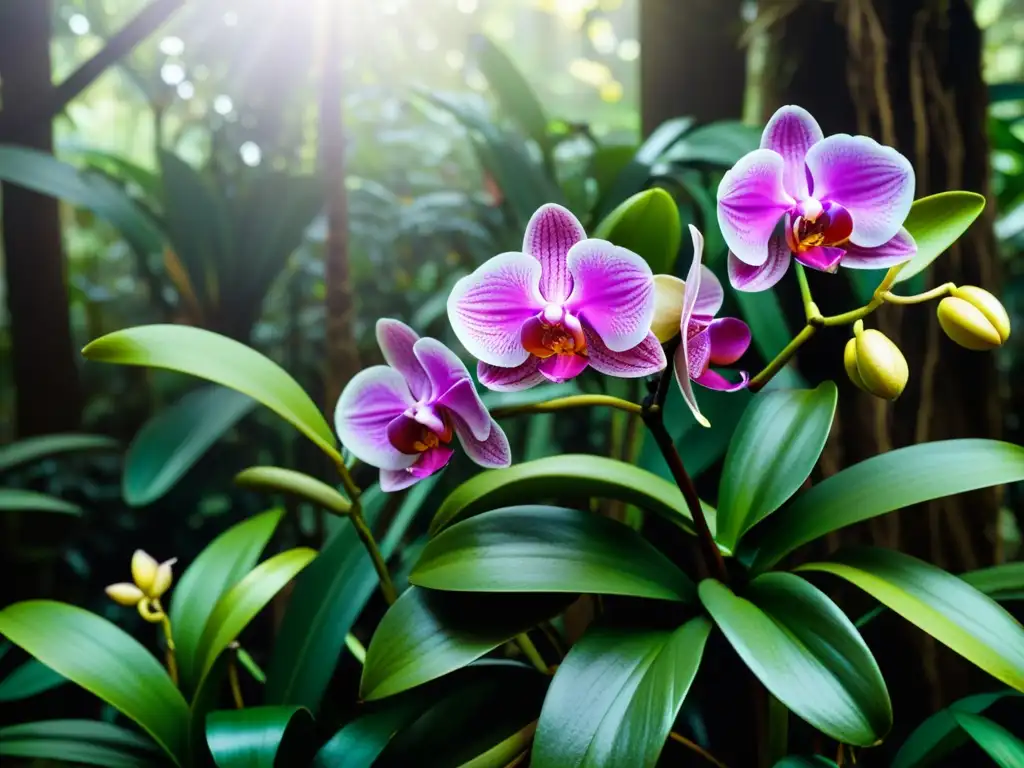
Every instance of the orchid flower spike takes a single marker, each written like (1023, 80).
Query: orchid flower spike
(842, 201)
(401, 417)
(706, 339)
(151, 580)
(564, 302)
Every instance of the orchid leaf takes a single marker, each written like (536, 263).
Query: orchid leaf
(1005, 749)
(648, 225)
(258, 737)
(288, 481)
(936, 222)
(44, 446)
(84, 742)
(20, 500)
(30, 679)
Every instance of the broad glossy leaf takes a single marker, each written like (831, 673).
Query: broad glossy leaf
(648, 225)
(360, 742)
(172, 441)
(801, 761)
(242, 602)
(427, 634)
(218, 568)
(882, 484)
(218, 359)
(940, 734)
(254, 736)
(616, 695)
(775, 447)
(30, 679)
(1002, 746)
(281, 480)
(548, 549)
(104, 660)
(571, 476)
(997, 580)
(944, 606)
(936, 222)
(806, 653)
(19, 500)
(34, 448)
(87, 742)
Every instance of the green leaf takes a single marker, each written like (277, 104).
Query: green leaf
(548, 549)
(570, 476)
(243, 601)
(218, 568)
(616, 695)
(936, 222)
(997, 580)
(257, 737)
(30, 679)
(34, 448)
(800, 761)
(104, 660)
(940, 734)
(648, 225)
(775, 447)
(85, 742)
(360, 742)
(427, 634)
(173, 440)
(721, 143)
(882, 484)
(1002, 746)
(806, 653)
(946, 607)
(218, 359)
(278, 479)
(18, 500)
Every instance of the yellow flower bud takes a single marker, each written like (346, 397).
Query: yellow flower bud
(883, 369)
(850, 362)
(144, 570)
(974, 318)
(124, 594)
(162, 582)
(668, 306)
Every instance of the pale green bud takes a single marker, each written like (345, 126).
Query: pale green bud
(974, 318)
(881, 366)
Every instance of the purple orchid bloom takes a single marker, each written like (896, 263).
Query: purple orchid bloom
(400, 417)
(706, 339)
(563, 303)
(843, 201)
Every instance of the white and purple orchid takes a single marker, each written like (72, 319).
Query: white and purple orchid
(401, 417)
(706, 339)
(842, 200)
(564, 302)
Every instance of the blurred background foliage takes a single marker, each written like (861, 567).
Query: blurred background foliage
(200, 184)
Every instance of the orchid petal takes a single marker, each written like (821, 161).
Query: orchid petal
(370, 401)
(792, 132)
(645, 359)
(710, 294)
(514, 379)
(552, 231)
(451, 385)
(393, 480)
(822, 258)
(744, 277)
(898, 250)
(493, 452)
(683, 380)
(432, 460)
(751, 200)
(487, 308)
(698, 353)
(714, 380)
(462, 400)
(561, 368)
(730, 338)
(691, 291)
(613, 292)
(873, 182)
(396, 340)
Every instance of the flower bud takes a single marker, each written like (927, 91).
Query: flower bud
(974, 318)
(850, 362)
(162, 582)
(668, 306)
(124, 594)
(144, 570)
(879, 363)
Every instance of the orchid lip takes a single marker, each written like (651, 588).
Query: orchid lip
(830, 227)
(411, 437)
(553, 331)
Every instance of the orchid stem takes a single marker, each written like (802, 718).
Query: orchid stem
(935, 293)
(233, 682)
(694, 747)
(530, 651)
(768, 373)
(810, 308)
(172, 662)
(366, 536)
(566, 403)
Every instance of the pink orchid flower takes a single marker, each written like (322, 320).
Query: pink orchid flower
(842, 200)
(706, 339)
(401, 417)
(564, 302)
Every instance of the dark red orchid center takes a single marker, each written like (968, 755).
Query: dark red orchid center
(411, 437)
(832, 226)
(553, 331)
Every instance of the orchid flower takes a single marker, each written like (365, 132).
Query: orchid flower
(401, 417)
(564, 302)
(843, 201)
(706, 339)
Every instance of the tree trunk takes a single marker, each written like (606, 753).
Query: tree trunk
(907, 72)
(691, 62)
(47, 394)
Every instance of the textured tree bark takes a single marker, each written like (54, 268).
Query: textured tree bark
(907, 72)
(691, 62)
(46, 381)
